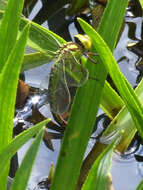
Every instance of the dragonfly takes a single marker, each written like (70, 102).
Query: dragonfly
(67, 71)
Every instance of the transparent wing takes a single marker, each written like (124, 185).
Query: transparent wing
(66, 72)
(76, 74)
(45, 40)
(58, 92)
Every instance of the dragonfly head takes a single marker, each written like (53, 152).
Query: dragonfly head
(83, 40)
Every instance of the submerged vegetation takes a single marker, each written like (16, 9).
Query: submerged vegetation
(73, 67)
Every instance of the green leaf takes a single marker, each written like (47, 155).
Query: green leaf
(97, 177)
(110, 102)
(123, 121)
(141, 3)
(114, 13)
(140, 186)
(17, 142)
(126, 91)
(8, 84)
(9, 29)
(23, 173)
(82, 119)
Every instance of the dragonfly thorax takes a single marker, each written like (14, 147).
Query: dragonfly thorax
(70, 48)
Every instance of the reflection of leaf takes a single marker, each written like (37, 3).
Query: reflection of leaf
(48, 10)
(22, 94)
(28, 7)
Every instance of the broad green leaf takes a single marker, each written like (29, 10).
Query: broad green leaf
(9, 29)
(17, 142)
(83, 115)
(23, 173)
(8, 84)
(97, 177)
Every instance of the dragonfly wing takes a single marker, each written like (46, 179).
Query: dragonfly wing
(45, 39)
(76, 74)
(58, 92)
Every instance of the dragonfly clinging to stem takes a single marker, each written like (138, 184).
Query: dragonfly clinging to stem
(67, 71)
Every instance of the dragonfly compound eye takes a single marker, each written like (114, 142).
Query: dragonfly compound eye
(83, 40)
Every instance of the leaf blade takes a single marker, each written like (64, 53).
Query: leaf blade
(7, 38)
(7, 96)
(96, 178)
(79, 127)
(17, 142)
(23, 173)
(130, 98)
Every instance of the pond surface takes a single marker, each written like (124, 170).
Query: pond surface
(126, 172)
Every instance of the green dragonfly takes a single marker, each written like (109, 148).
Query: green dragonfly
(67, 71)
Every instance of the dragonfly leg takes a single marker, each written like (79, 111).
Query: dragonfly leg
(94, 78)
(91, 53)
(62, 119)
(88, 56)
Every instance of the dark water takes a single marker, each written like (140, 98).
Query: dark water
(126, 172)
